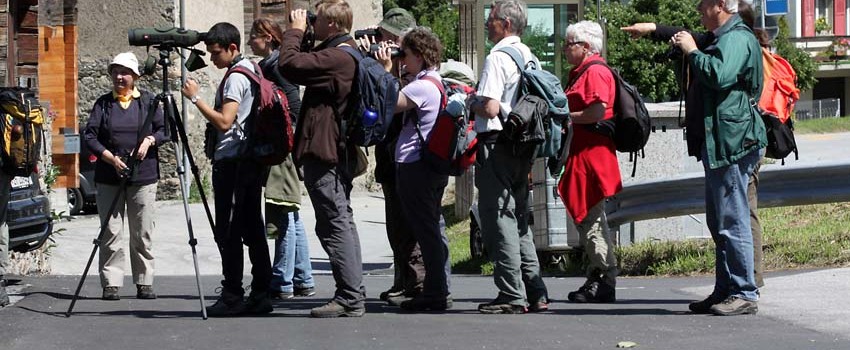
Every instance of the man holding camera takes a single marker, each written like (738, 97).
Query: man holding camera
(502, 172)
(327, 72)
(727, 137)
(237, 182)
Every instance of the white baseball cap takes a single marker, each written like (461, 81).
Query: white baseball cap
(125, 59)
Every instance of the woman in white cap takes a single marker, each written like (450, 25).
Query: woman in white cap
(126, 149)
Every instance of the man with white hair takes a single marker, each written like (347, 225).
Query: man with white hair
(503, 167)
(728, 138)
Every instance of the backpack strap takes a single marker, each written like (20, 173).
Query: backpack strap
(516, 56)
(443, 102)
(583, 69)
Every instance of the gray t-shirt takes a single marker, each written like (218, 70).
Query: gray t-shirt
(237, 88)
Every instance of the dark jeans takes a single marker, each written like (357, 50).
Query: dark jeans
(238, 218)
(421, 192)
(329, 187)
(407, 257)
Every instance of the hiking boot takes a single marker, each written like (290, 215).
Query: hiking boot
(335, 309)
(305, 292)
(4, 297)
(275, 295)
(540, 306)
(110, 293)
(498, 307)
(398, 300)
(392, 292)
(258, 303)
(145, 292)
(594, 292)
(427, 304)
(228, 304)
(704, 306)
(735, 306)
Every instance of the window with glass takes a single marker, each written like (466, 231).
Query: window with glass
(544, 34)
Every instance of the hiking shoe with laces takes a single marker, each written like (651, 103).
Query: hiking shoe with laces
(4, 297)
(275, 295)
(498, 307)
(594, 292)
(427, 304)
(227, 305)
(398, 300)
(145, 292)
(258, 303)
(735, 306)
(304, 292)
(704, 306)
(335, 309)
(110, 293)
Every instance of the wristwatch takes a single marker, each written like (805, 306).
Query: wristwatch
(194, 99)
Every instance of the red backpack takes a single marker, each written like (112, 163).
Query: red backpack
(269, 127)
(452, 144)
(778, 95)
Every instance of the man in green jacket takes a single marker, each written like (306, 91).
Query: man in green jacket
(728, 139)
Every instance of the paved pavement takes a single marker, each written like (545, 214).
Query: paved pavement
(799, 309)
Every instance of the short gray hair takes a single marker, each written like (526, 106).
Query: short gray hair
(514, 10)
(589, 32)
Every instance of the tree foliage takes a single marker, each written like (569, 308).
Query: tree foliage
(439, 15)
(803, 64)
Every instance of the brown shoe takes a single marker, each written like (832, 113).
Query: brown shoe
(335, 309)
(704, 306)
(110, 293)
(733, 306)
(145, 292)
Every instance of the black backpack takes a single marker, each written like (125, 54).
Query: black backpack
(372, 101)
(631, 125)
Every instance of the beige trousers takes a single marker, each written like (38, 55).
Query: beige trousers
(136, 204)
(598, 244)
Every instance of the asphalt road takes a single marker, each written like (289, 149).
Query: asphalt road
(798, 310)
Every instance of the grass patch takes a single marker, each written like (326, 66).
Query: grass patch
(194, 192)
(457, 230)
(808, 236)
(822, 125)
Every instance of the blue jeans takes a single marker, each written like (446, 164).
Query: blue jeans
(727, 213)
(291, 266)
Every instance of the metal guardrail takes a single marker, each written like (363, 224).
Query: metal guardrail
(778, 187)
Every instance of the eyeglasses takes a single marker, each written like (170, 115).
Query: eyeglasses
(571, 43)
(492, 19)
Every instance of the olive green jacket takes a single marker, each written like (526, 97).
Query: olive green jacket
(729, 74)
(282, 184)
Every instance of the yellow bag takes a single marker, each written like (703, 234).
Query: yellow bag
(21, 128)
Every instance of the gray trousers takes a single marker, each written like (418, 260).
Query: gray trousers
(502, 181)
(5, 192)
(598, 243)
(420, 191)
(136, 205)
(329, 187)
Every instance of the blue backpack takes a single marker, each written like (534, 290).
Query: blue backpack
(538, 86)
(372, 101)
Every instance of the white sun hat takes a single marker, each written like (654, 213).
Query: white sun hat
(125, 59)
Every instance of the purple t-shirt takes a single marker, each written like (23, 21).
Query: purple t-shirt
(427, 98)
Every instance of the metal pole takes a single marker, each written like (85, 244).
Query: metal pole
(183, 104)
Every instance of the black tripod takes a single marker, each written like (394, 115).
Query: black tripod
(176, 131)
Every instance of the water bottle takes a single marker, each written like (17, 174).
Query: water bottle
(369, 117)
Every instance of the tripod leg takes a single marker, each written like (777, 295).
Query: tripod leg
(103, 227)
(171, 113)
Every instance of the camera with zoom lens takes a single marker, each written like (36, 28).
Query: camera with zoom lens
(374, 33)
(173, 36)
(395, 52)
